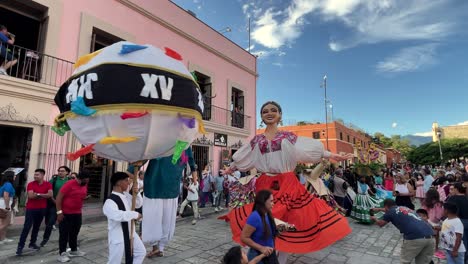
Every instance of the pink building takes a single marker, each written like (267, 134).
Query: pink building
(51, 34)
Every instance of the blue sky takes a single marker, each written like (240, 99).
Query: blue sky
(393, 66)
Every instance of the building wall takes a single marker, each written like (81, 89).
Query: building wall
(459, 131)
(159, 23)
(336, 143)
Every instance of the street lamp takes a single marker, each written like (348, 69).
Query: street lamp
(439, 135)
(326, 110)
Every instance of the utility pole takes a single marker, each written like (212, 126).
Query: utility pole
(326, 109)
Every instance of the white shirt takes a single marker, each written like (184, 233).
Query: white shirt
(115, 217)
(448, 234)
(193, 196)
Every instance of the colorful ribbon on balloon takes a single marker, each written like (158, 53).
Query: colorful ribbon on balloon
(81, 152)
(179, 148)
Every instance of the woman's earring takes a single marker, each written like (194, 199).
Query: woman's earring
(261, 123)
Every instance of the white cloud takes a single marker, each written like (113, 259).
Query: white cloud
(409, 59)
(273, 29)
(423, 134)
(391, 20)
(465, 123)
(279, 64)
(367, 21)
(394, 125)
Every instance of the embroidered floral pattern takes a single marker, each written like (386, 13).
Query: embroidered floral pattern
(263, 145)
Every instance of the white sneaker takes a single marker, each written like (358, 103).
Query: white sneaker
(194, 222)
(216, 209)
(7, 240)
(3, 71)
(220, 208)
(77, 253)
(63, 257)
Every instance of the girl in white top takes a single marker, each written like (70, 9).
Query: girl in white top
(192, 197)
(276, 154)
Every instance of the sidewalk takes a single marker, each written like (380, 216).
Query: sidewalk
(92, 238)
(92, 212)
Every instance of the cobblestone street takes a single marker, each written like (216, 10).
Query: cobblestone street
(210, 238)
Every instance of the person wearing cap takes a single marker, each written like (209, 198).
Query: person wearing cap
(69, 203)
(117, 209)
(192, 197)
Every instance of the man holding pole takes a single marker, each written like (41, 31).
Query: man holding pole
(161, 191)
(119, 216)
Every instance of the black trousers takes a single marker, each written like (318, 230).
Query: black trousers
(69, 229)
(33, 218)
(50, 218)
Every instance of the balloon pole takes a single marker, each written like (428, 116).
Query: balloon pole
(136, 168)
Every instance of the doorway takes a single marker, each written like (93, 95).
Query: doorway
(201, 156)
(15, 148)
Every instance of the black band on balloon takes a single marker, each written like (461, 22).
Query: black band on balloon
(109, 84)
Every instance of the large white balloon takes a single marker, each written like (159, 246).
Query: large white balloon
(128, 102)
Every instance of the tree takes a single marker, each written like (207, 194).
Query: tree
(302, 123)
(430, 154)
(395, 142)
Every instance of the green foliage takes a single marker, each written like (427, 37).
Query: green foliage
(396, 142)
(371, 169)
(429, 153)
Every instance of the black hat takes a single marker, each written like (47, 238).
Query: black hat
(118, 176)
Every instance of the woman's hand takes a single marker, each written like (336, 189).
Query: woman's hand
(266, 251)
(339, 157)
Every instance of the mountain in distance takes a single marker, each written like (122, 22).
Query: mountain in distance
(417, 140)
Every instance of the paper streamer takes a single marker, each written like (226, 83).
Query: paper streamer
(78, 107)
(129, 115)
(130, 48)
(173, 54)
(116, 140)
(183, 158)
(179, 148)
(81, 152)
(61, 128)
(188, 122)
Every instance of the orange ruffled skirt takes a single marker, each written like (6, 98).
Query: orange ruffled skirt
(317, 224)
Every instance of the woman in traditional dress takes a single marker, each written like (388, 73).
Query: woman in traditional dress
(276, 153)
(316, 186)
(364, 202)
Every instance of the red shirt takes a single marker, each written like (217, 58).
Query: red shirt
(38, 188)
(73, 196)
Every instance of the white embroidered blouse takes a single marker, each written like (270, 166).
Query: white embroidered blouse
(279, 155)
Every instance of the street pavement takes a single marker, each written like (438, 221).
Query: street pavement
(209, 240)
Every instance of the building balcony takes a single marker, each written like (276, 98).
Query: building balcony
(220, 119)
(35, 66)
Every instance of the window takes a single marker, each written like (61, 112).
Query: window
(341, 135)
(348, 139)
(237, 108)
(354, 140)
(101, 39)
(204, 82)
(316, 135)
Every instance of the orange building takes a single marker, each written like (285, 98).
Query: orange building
(393, 156)
(341, 139)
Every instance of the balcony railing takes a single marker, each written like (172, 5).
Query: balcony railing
(226, 117)
(35, 66)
